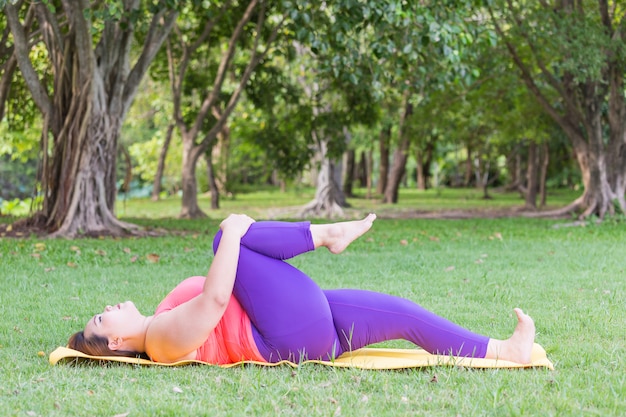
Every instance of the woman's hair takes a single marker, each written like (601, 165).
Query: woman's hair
(97, 346)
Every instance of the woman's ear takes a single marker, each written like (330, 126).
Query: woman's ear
(115, 344)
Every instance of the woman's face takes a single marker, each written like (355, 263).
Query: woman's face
(115, 321)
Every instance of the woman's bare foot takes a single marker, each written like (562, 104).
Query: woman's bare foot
(518, 348)
(337, 236)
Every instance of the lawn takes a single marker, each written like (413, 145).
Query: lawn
(570, 279)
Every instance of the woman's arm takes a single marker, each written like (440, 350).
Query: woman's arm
(175, 334)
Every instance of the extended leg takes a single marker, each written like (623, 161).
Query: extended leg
(362, 318)
(365, 317)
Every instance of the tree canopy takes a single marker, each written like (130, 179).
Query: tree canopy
(483, 93)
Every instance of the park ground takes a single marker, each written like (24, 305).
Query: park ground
(472, 265)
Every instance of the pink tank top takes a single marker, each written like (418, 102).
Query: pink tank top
(231, 341)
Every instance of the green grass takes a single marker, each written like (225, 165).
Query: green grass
(273, 203)
(570, 279)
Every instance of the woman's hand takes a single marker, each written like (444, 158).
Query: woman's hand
(237, 224)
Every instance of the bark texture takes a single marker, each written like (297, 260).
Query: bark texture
(93, 88)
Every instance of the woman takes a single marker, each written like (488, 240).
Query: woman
(254, 306)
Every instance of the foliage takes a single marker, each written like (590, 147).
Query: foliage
(19, 208)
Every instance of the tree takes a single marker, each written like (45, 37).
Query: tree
(84, 104)
(192, 58)
(571, 57)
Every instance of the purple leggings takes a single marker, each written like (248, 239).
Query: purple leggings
(294, 319)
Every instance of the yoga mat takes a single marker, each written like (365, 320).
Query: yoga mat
(365, 358)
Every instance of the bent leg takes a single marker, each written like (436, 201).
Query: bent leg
(278, 240)
(284, 240)
(364, 317)
(289, 312)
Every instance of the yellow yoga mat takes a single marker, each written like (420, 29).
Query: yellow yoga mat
(365, 358)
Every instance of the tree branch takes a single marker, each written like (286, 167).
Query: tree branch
(532, 86)
(5, 82)
(227, 57)
(37, 90)
(83, 38)
(254, 61)
(552, 80)
(154, 40)
(188, 51)
(51, 33)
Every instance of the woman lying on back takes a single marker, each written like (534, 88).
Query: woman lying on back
(252, 305)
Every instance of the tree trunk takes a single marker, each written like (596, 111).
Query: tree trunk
(189, 205)
(213, 189)
(579, 105)
(92, 91)
(215, 101)
(545, 161)
(383, 169)
(349, 169)
(158, 177)
(420, 180)
(128, 170)
(369, 172)
(83, 204)
(400, 157)
(362, 170)
(469, 166)
(424, 158)
(531, 176)
(328, 195)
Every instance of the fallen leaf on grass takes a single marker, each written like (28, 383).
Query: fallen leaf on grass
(450, 268)
(75, 248)
(133, 259)
(41, 353)
(40, 246)
(71, 264)
(36, 255)
(434, 238)
(127, 250)
(404, 242)
(153, 257)
(100, 252)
